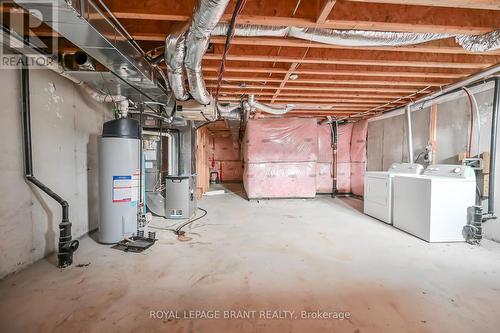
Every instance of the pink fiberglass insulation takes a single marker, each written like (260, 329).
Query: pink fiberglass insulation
(280, 180)
(358, 141)
(324, 178)
(344, 177)
(230, 171)
(344, 143)
(281, 140)
(325, 151)
(358, 177)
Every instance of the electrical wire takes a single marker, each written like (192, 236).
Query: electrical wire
(478, 119)
(229, 36)
(178, 231)
(471, 108)
(418, 156)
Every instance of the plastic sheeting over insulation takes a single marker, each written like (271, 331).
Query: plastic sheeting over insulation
(292, 158)
(280, 158)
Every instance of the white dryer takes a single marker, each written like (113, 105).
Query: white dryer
(378, 199)
(434, 206)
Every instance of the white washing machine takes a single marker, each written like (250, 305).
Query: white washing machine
(434, 206)
(378, 198)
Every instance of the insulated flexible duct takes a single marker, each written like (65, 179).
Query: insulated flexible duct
(175, 48)
(186, 47)
(482, 43)
(206, 15)
(334, 37)
(253, 104)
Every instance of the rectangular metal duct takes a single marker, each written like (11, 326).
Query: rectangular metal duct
(88, 26)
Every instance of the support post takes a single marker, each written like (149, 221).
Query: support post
(409, 134)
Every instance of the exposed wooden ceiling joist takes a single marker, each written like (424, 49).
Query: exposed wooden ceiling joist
(325, 11)
(352, 79)
(272, 70)
(317, 88)
(346, 15)
(374, 96)
(368, 62)
(332, 81)
(451, 27)
(477, 4)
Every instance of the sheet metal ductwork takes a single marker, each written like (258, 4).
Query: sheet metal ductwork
(186, 47)
(122, 102)
(482, 43)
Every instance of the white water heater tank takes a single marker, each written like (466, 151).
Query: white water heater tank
(119, 149)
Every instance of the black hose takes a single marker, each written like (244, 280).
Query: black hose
(178, 230)
(66, 245)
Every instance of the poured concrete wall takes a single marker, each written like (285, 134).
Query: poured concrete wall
(387, 137)
(65, 126)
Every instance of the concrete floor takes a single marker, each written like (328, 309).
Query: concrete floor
(280, 255)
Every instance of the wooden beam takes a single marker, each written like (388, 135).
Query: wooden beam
(316, 88)
(476, 4)
(339, 72)
(382, 97)
(359, 62)
(451, 28)
(290, 71)
(326, 81)
(315, 106)
(325, 11)
(329, 100)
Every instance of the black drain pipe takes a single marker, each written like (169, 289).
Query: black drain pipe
(493, 148)
(334, 131)
(66, 245)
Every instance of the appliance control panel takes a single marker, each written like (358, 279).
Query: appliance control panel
(406, 168)
(448, 170)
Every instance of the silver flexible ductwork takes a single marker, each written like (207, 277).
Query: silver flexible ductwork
(253, 104)
(175, 48)
(186, 47)
(230, 111)
(331, 36)
(206, 15)
(482, 43)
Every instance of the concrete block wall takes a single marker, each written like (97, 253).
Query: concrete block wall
(387, 137)
(65, 126)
